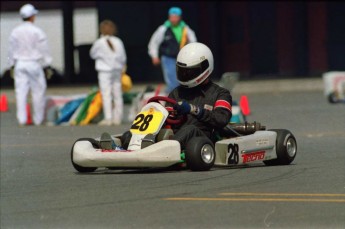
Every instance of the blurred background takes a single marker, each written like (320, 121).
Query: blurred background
(258, 39)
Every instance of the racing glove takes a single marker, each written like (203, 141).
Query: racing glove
(184, 108)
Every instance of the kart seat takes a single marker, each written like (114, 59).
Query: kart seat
(164, 134)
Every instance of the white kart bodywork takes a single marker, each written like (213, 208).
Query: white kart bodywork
(161, 154)
(135, 143)
(334, 82)
(256, 147)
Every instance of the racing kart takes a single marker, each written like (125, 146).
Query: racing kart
(334, 86)
(149, 144)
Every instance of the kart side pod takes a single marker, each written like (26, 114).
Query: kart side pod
(256, 147)
(272, 147)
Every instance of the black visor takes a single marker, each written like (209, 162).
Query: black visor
(185, 74)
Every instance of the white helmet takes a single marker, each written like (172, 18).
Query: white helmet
(194, 64)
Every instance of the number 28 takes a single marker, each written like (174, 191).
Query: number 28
(142, 122)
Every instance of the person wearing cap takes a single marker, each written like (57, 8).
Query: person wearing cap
(29, 55)
(166, 42)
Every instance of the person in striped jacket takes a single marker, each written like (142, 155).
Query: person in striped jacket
(166, 42)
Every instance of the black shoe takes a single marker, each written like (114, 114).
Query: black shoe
(106, 142)
(148, 140)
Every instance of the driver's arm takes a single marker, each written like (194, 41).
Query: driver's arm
(221, 113)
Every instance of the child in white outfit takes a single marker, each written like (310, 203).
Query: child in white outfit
(110, 56)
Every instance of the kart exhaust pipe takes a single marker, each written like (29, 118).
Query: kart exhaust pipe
(247, 128)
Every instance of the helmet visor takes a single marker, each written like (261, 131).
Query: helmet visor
(185, 74)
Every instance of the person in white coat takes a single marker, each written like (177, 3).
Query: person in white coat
(28, 56)
(110, 59)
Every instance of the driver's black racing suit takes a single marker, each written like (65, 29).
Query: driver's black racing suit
(216, 102)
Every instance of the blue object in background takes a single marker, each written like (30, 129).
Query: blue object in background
(237, 115)
(67, 110)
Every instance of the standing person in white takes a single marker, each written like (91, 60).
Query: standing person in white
(110, 56)
(29, 55)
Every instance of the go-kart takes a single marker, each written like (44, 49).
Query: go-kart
(149, 144)
(334, 86)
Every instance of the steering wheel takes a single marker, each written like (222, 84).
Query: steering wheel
(169, 121)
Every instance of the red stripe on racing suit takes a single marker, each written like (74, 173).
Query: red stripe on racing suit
(223, 104)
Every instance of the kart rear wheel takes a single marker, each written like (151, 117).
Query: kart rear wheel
(79, 168)
(286, 148)
(200, 154)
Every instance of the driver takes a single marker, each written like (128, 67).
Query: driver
(207, 105)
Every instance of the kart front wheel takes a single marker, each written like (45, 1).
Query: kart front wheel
(200, 154)
(332, 97)
(286, 148)
(79, 168)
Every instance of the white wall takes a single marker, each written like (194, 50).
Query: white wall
(85, 26)
(51, 21)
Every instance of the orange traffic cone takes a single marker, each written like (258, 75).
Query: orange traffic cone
(29, 120)
(244, 105)
(3, 103)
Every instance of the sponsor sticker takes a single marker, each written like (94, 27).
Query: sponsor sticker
(208, 107)
(261, 142)
(202, 77)
(114, 150)
(255, 156)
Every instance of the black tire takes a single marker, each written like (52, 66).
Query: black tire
(79, 168)
(286, 148)
(196, 158)
(332, 98)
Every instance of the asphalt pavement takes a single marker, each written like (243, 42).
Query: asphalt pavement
(39, 187)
